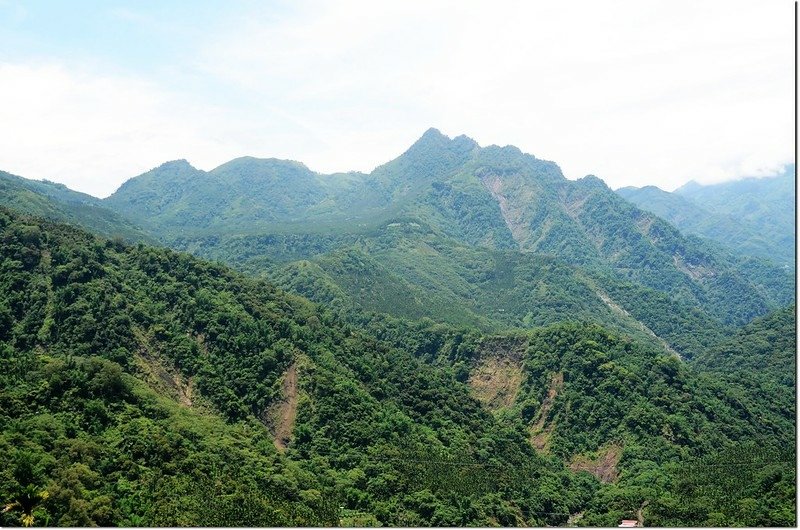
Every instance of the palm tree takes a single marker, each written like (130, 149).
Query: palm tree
(29, 498)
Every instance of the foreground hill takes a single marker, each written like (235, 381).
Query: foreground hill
(754, 217)
(59, 203)
(146, 387)
(133, 373)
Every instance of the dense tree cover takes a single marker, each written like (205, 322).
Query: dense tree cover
(260, 196)
(434, 232)
(765, 346)
(131, 372)
(746, 485)
(736, 449)
(138, 384)
(414, 221)
(758, 361)
(405, 268)
(412, 273)
(615, 384)
(236, 196)
(665, 419)
(91, 326)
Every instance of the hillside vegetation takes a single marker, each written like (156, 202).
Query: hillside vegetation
(146, 387)
(461, 337)
(752, 217)
(483, 236)
(59, 203)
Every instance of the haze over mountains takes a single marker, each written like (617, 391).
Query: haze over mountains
(459, 233)
(554, 350)
(56, 201)
(446, 223)
(754, 216)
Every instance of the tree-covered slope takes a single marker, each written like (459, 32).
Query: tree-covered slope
(242, 195)
(493, 198)
(131, 374)
(670, 446)
(59, 203)
(408, 272)
(767, 203)
(766, 347)
(752, 218)
(146, 387)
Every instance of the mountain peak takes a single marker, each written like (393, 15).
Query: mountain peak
(181, 163)
(689, 187)
(433, 132)
(593, 181)
(434, 137)
(251, 162)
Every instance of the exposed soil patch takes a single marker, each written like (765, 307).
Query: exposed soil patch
(497, 375)
(640, 513)
(160, 374)
(185, 389)
(495, 382)
(574, 207)
(644, 223)
(281, 415)
(200, 339)
(495, 186)
(540, 433)
(695, 272)
(573, 519)
(603, 465)
(514, 216)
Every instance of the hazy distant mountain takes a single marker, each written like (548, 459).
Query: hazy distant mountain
(752, 217)
(242, 195)
(57, 202)
(411, 216)
(766, 199)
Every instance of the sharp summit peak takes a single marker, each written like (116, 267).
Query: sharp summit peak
(434, 136)
(179, 163)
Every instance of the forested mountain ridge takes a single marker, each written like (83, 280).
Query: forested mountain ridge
(753, 217)
(59, 203)
(455, 225)
(97, 334)
(411, 273)
(443, 201)
(132, 373)
(175, 197)
(766, 201)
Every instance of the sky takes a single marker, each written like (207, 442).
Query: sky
(635, 92)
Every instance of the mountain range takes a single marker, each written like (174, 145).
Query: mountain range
(452, 231)
(460, 337)
(754, 216)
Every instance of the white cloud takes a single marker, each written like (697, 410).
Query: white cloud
(635, 92)
(93, 132)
